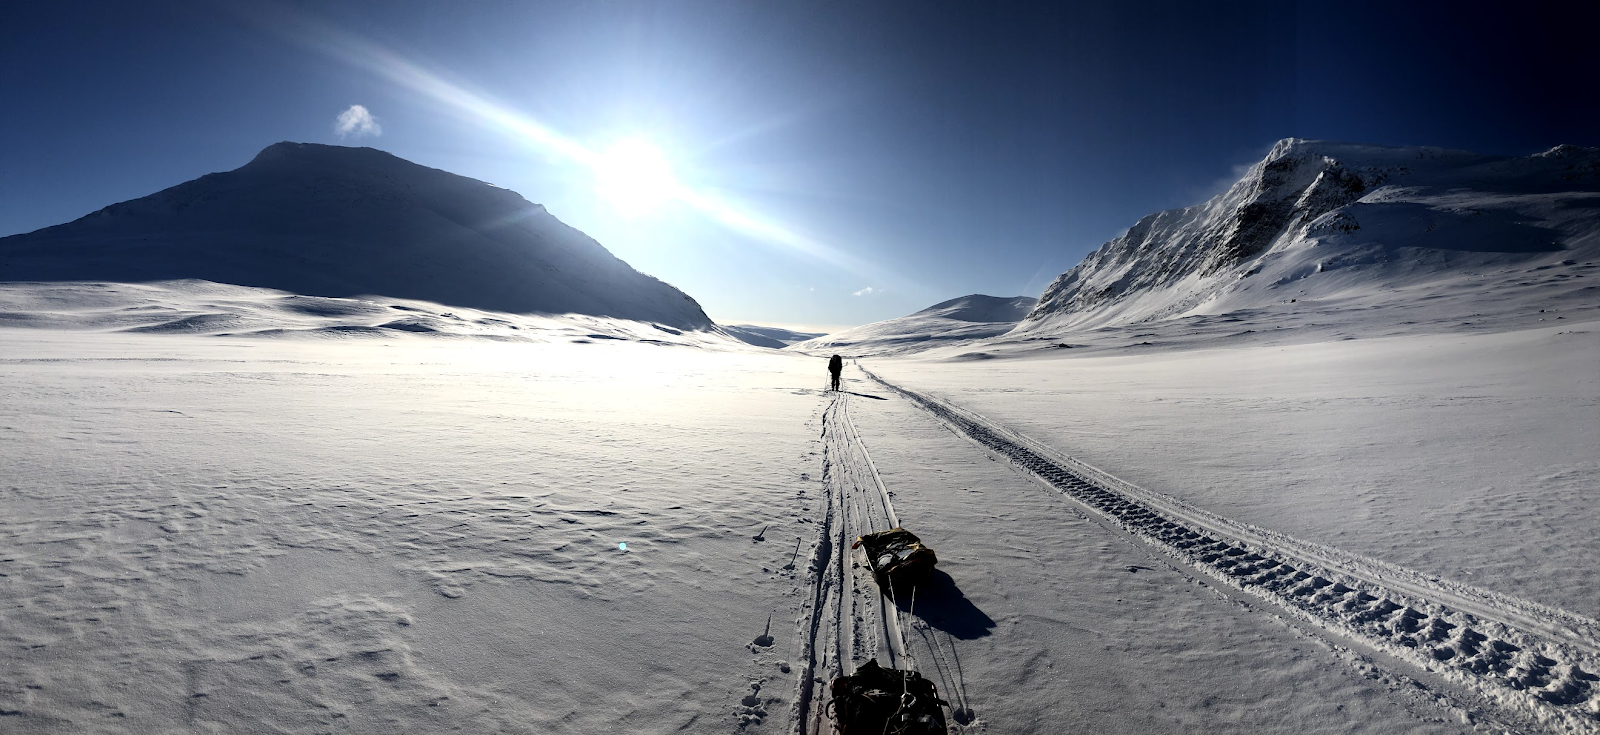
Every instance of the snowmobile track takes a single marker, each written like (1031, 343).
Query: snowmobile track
(846, 619)
(1534, 663)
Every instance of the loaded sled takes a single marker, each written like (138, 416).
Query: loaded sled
(879, 701)
(898, 559)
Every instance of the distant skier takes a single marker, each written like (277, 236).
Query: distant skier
(835, 364)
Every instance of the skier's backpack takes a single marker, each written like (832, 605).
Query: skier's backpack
(897, 558)
(879, 701)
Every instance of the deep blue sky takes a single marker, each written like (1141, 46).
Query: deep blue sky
(943, 148)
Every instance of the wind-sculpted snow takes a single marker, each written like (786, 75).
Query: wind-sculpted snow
(1536, 664)
(332, 221)
(965, 318)
(429, 533)
(1334, 223)
(221, 310)
(415, 535)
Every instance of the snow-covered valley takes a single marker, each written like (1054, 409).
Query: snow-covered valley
(1316, 456)
(411, 535)
(421, 532)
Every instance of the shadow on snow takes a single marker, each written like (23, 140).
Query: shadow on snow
(941, 604)
(865, 395)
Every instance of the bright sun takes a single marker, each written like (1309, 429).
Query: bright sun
(634, 176)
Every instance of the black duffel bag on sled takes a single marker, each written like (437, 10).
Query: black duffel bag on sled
(880, 701)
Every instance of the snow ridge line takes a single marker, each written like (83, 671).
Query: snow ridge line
(838, 630)
(1532, 661)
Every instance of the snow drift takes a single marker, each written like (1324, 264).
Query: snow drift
(203, 308)
(1346, 226)
(969, 317)
(333, 221)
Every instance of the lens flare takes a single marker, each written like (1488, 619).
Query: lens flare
(635, 177)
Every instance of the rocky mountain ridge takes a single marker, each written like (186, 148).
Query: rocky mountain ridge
(1313, 207)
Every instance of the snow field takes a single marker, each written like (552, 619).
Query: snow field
(1226, 432)
(1042, 620)
(421, 533)
(409, 535)
(1470, 457)
(194, 307)
(1536, 662)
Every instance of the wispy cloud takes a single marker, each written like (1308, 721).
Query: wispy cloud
(868, 291)
(357, 121)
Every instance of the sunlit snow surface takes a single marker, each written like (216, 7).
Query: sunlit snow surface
(321, 523)
(1469, 455)
(956, 321)
(404, 534)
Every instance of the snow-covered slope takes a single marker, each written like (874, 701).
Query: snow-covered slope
(1338, 226)
(334, 221)
(203, 308)
(774, 337)
(968, 317)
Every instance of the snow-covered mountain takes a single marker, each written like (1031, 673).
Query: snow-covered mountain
(968, 317)
(776, 338)
(1338, 226)
(325, 220)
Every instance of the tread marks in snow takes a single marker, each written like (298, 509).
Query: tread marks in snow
(1554, 683)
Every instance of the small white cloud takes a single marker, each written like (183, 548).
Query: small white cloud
(356, 121)
(868, 291)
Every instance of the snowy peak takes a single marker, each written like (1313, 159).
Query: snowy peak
(1310, 207)
(302, 160)
(969, 317)
(335, 221)
(302, 155)
(981, 308)
(283, 172)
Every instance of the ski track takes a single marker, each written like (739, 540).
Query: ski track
(1534, 663)
(846, 619)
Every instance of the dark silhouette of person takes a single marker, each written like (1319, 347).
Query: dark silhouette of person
(835, 364)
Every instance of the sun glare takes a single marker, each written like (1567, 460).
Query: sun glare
(635, 177)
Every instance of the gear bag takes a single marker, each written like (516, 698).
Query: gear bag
(897, 558)
(879, 701)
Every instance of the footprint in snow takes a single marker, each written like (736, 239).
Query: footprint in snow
(751, 712)
(754, 697)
